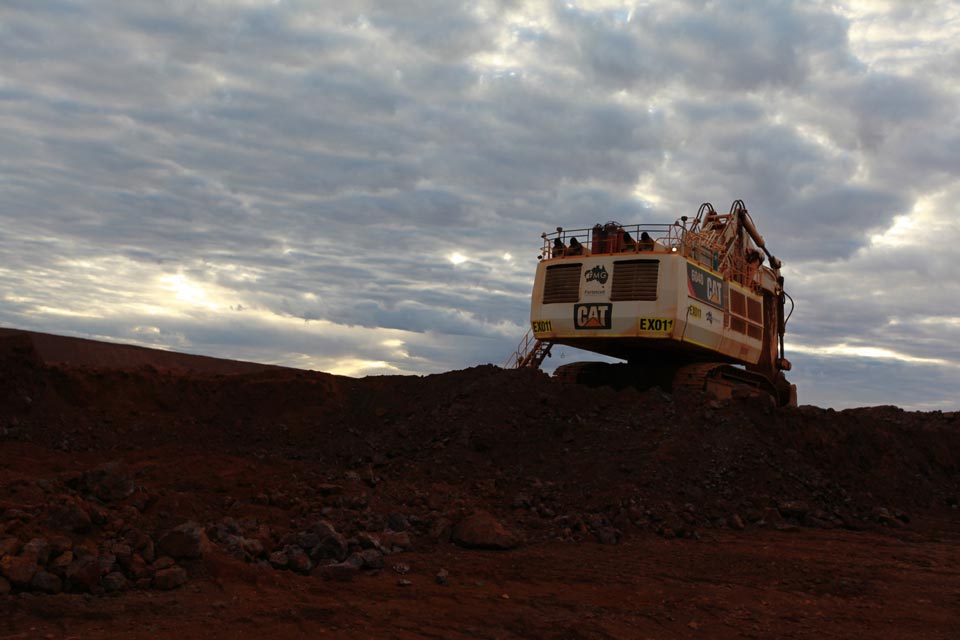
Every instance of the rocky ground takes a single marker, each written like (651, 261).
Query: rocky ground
(157, 500)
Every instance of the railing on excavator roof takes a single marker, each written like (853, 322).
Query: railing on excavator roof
(701, 240)
(613, 237)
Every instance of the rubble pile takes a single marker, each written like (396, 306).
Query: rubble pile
(142, 478)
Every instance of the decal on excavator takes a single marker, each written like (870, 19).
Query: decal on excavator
(704, 286)
(598, 274)
(655, 324)
(542, 325)
(592, 316)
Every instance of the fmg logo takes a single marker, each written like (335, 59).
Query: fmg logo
(592, 316)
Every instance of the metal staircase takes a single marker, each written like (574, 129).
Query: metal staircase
(530, 352)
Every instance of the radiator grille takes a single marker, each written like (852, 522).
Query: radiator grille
(750, 312)
(562, 283)
(635, 280)
(738, 303)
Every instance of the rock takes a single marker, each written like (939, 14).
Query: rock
(521, 501)
(796, 509)
(108, 484)
(38, 549)
(735, 522)
(137, 567)
(59, 544)
(403, 582)
(884, 517)
(607, 535)
(278, 560)
(397, 522)
(19, 570)
(69, 517)
(441, 530)
(60, 563)
(369, 541)
(46, 582)
(4, 586)
(401, 568)
(372, 559)
(339, 572)
(140, 543)
(329, 489)
(355, 559)
(482, 531)
(107, 562)
(307, 540)
(393, 542)
(9, 547)
(122, 552)
(297, 559)
(189, 540)
(171, 578)
(442, 577)
(332, 544)
(114, 581)
(84, 572)
(163, 562)
(251, 546)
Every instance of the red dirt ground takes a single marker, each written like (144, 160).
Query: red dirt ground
(630, 514)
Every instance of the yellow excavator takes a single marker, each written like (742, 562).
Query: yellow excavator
(696, 304)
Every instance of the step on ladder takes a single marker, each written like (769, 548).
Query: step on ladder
(531, 352)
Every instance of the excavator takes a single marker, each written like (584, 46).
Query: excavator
(697, 304)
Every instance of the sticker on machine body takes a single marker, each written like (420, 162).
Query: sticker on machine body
(539, 326)
(655, 324)
(704, 286)
(592, 316)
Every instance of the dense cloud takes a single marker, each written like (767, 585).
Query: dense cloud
(360, 187)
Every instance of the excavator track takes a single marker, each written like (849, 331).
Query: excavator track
(720, 379)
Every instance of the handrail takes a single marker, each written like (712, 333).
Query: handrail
(529, 353)
(515, 361)
(707, 240)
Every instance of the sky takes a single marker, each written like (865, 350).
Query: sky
(360, 187)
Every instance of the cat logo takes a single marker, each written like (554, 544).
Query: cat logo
(592, 316)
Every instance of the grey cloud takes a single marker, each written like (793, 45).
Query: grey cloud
(314, 162)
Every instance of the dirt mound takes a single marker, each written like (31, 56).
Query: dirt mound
(139, 477)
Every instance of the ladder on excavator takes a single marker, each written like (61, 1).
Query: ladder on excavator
(530, 353)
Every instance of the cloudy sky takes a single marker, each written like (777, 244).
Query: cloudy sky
(359, 187)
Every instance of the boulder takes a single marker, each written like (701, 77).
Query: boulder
(19, 570)
(69, 517)
(9, 547)
(481, 530)
(60, 563)
(84, 572)
(109, 484)
(795, 509)
(114, 581)
(170, 578)
(46, 582)
(398, 522)
(189, 540)
(332, 544)
(297, 559)
(60, 543)
(394, 541)
(372, 559)
(38, 549)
